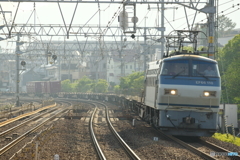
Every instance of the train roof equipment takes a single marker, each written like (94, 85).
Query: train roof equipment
(177, 39)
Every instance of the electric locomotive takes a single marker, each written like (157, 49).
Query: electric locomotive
(182, 95)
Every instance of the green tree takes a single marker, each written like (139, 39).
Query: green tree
(232, 76)
(111, 86)
(66, 86)
(225, 25)
(74, 86)
(101, 86)
(117, 89)
(133, 83)
(84, 85)
(138, 85)
(229, 63)
(124, 84)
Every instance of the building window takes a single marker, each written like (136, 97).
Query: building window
(130, 66)
(126, 66)
(104, 65)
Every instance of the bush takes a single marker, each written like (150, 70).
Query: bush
(227, 138)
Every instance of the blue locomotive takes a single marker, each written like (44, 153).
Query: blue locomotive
(182, 95)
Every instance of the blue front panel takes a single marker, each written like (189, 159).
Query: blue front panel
(195, 81)
(203, 121)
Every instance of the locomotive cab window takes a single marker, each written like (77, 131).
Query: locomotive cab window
(203, 68)
(177, 67)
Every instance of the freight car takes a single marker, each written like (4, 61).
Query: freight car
(43, 87)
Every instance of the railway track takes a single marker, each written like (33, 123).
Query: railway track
(216, 148)
(24, 115)
(100, 153)
(94, 139)
(202, 154)
(197, 151)
(193, 149)
(9, 147)
(25, 122)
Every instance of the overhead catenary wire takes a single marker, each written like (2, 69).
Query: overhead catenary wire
(220, 15)
(176, 19)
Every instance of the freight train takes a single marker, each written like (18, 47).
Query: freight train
(182, 91)
(181, 95)
(184, 103)
(43, 87)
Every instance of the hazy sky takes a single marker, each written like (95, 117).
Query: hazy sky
(49, 13)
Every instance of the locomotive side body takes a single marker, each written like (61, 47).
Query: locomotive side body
(180, 98)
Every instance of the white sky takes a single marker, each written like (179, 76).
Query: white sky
(49, 13)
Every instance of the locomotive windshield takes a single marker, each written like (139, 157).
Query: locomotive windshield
(190, 68)
(203, 68)
(177, 67)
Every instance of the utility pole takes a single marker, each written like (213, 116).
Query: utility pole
(69, 66)
(121, 56)
(23, 63)
(211, 22)
(59, 69)
(47, 54)
(162, 31)
(145, 50)
(17, 69)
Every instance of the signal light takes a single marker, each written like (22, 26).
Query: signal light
(133, 36)
(23, 63)
(54, 57)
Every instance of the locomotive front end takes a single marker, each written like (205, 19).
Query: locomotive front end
(188, 96)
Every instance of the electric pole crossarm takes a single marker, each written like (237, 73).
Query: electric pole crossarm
(74, 30)
(204, 10)
(4, 17)
(112, 1)
(9, 33)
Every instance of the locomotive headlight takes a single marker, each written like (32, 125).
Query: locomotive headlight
(206, 94)
(171, 91)
(209, 93)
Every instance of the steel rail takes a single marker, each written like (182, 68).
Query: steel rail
(130, 152)
(19, 139)
(189, 147)
(218, 149)
(24, 123)
(92, 134)
(25, 115)
(127, 149)
(94, 139)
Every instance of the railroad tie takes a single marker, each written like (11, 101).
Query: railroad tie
(8, 138)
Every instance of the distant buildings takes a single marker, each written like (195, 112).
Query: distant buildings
(224, 40)
(69, 64)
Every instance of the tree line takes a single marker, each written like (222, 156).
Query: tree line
(229, 66)
(131, 84)
(85, 85)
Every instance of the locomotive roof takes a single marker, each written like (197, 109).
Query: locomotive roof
(189, 56)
